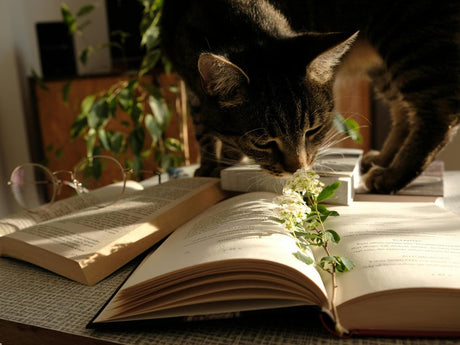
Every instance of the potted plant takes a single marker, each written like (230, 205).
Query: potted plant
(130, 118)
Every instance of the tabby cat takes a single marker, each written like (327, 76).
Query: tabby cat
(261, 72)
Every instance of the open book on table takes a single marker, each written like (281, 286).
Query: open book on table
(76, 239)
(236, 257)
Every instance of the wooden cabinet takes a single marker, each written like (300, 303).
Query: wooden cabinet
(55, 119)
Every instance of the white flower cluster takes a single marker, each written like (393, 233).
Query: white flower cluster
(304, 182)
(291, 209)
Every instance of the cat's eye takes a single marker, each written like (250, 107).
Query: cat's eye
(269, 145)
(312, 131)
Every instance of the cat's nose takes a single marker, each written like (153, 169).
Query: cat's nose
(295, 161)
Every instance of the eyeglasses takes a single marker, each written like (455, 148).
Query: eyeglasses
(34, 185)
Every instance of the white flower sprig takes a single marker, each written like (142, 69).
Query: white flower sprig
(301, 211)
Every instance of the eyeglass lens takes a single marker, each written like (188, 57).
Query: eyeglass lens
(32, 185)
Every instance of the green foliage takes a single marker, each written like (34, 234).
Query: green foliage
(147, 114)
(315, 233)
(348, 127)
(328, 192)
(303, 213)
(148, 121)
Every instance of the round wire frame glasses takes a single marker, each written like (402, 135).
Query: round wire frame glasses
(34, 185)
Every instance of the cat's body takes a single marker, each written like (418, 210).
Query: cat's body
(261, 84)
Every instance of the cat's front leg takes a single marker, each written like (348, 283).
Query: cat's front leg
(215, 156)
(400, 112)
(393, 142)
(419, 149)
(208, 156)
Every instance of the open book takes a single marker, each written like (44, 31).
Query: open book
(86, 243)
(236, 257)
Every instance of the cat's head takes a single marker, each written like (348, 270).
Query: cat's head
(274, 103)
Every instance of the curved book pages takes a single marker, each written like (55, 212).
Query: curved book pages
(236, 257)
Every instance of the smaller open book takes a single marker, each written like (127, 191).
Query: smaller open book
(83, 242)
(237, 257)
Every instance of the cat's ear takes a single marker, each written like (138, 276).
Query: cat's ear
(331, 48)
(223, 79)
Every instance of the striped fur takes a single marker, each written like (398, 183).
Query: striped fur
(260, 75)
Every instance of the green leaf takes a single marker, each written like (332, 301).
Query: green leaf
(112, 102)
(160, 110)
(149, 61)
(328, 191)
(312, 238)
(150, 38)
(68, 18)
(325, 213)
(348, 127)
(137, 164)
(90, 142)
(153, 128)
(304, 258)
(93, 168)
(117, 142)
(99, 113)
(59, 152)
(83, 25)
(327, 263)
(104, 138)
(136, 111)
(79, 125)
(136, 140)
(65, 92)
(167, 161)
(87, 103)
(173, 145)
(85, 54)
(85, 10)
(125, 99)
(332, 236)
(303, 246)
(344, 264)
(353, 130)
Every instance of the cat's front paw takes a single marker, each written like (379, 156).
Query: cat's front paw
(382, 180)
(369, 160)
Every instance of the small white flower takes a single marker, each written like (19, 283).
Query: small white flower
(291, 209)
(304, 182)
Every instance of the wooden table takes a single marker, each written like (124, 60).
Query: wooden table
(39, 307)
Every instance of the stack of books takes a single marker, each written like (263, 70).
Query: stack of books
(337, 164)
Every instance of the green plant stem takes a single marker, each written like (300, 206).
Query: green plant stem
(332, 305)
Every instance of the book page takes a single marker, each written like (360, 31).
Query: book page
(59, 208)
(80, 234)
(240, 228)
(396, 245)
